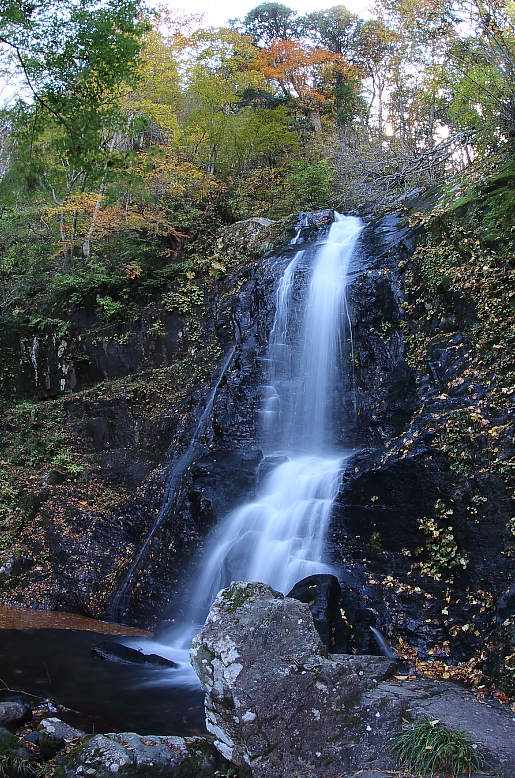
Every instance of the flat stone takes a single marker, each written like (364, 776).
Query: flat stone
(488, 724)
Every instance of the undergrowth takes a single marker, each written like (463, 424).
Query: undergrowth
(461, 279)
(14, 767)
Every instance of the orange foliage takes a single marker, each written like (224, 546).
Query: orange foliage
(132, 270)
(301, 72)
(81, 215)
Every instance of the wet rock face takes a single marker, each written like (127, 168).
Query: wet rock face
(50, 363)
(341, 619)
(322, 593)
(383, 395)
(426, 530)
(275, 701)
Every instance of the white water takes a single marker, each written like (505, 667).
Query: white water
(279, 538)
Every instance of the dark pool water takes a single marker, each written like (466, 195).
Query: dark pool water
(102, 696)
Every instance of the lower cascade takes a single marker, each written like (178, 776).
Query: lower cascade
(279, 538)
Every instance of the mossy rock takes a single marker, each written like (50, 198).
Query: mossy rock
(10, 745)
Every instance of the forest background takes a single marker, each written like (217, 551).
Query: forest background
(140, 133)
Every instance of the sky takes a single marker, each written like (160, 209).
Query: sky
(218, 12)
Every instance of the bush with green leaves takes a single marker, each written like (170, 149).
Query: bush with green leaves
(429, 747)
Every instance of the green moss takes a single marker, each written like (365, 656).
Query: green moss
(238, 595)
(69, 758)
(353, 720)
(8, 743)
(198, 762)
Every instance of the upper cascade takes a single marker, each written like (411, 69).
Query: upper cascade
(303, 362)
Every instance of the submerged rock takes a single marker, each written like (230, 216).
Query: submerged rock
(117, 652)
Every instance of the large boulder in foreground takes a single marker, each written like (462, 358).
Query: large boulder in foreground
(280, 707)
(277, 704)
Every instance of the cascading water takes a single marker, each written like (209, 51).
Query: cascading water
(279, 538)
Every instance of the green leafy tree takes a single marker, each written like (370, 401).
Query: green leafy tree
(335, 29)
(310, 185)
(270, 22)
(76, 59)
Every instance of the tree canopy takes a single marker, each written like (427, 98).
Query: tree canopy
(150, 127)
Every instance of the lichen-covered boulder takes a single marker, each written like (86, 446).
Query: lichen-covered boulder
(54, 734)
(244, 238)
(128, 755)
(277, 704)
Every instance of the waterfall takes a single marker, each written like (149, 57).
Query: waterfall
(279, 538)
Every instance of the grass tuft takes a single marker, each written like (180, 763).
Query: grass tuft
(14, 767)
(429, 747)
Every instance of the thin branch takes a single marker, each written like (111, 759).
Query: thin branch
(33, 89)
